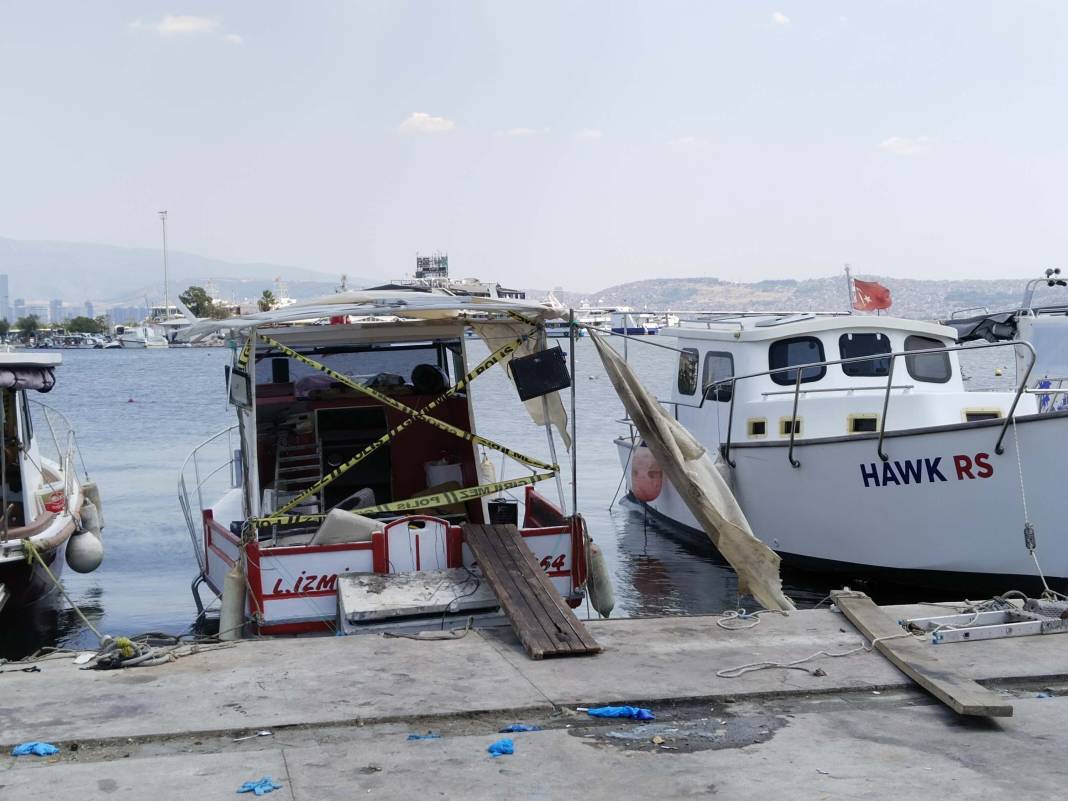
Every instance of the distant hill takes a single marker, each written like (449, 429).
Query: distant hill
(922, 299)
(78, 271)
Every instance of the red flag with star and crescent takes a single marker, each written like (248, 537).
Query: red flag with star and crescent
(870, 296)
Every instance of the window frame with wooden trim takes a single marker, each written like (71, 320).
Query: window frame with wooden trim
(797, 422)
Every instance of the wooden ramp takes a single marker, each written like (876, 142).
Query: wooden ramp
(543, 622)
(918, 659)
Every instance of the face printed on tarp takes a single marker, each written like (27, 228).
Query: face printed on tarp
(646, 477)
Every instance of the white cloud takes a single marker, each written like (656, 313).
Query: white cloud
(589, 133)
(173, 25)
(179, 25)
(907, 145)
(780, 19)
(419, 122)
(686, 141)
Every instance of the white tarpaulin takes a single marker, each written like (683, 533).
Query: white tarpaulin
(499, 333)
(687, 465)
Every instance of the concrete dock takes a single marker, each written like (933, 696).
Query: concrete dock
(340, 711)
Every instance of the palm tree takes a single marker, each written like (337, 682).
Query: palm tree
(267, 301)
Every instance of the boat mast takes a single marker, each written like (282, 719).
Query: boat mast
(166, 287)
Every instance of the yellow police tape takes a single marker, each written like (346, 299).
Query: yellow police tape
(423, 416)
(400, 407)
(412, 505)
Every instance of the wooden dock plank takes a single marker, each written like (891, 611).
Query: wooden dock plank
(555, 607)
(510, 589)
(917, 660)
(543, 622)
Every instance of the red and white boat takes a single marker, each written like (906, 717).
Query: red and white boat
(355, 452)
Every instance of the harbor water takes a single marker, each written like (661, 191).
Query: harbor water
(138, 413)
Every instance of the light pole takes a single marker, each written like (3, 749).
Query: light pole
(166, 287)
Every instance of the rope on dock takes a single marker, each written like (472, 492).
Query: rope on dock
(114, 652)
(798, 664)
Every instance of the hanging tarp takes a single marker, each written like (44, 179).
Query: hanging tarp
(687, 465)
(498, 334)
(35, 377)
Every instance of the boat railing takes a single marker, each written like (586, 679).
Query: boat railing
(202, 467)
(714, 388)
(61, 444)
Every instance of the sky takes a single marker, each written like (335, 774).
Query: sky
(579, 144)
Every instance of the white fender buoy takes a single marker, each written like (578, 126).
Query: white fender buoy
(232, 615)
(91, 492)
(85, 552)
(487, 471)
(90, 516)
(646, 477)
(598, 585)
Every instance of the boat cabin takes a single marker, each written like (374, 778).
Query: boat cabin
(357, 452)
(817, 376)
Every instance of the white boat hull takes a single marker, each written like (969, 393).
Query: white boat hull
(944, 502)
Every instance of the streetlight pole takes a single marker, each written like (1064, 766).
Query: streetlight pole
(166, 286)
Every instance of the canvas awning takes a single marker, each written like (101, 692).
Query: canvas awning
(686, 464)
(35, 377)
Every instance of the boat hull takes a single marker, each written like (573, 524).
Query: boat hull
(27, 584)
(943, 503)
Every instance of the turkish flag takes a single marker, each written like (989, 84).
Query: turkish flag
(870, 295)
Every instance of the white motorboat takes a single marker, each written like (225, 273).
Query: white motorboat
(627, 321)
(49, 515)
(851, 444)
(318, 481)
(143, 336)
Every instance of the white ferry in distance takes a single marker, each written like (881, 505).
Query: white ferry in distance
(852, 445)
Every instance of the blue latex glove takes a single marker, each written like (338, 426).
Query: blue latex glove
(518, 727)
(262, 787)
(428, 736)
(35, 748)
(501, 747)
(632, 712)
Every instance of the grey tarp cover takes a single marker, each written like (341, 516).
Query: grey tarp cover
(686, 464)
(28, 376)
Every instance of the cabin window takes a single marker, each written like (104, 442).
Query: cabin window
(852, 346)
(790, 352)
(718, 366)
(687, 371)
(790, 425)
(863, 423)
(757, 427)
(931, 367)
(974, 415)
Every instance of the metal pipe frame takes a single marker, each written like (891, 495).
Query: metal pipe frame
(998, 447)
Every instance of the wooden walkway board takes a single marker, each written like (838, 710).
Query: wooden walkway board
(918, 660)
(543, 622)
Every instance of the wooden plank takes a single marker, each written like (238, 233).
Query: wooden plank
(532, 610)
(535, 640)
(538, 592)
(555, 606)
(917, 659)
(544, 623)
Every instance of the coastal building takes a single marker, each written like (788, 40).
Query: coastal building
(55, 310)
(19, 309)
(89, 309)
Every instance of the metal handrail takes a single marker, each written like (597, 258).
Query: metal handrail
(800, 368)
(881, 388)
(184, 492)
